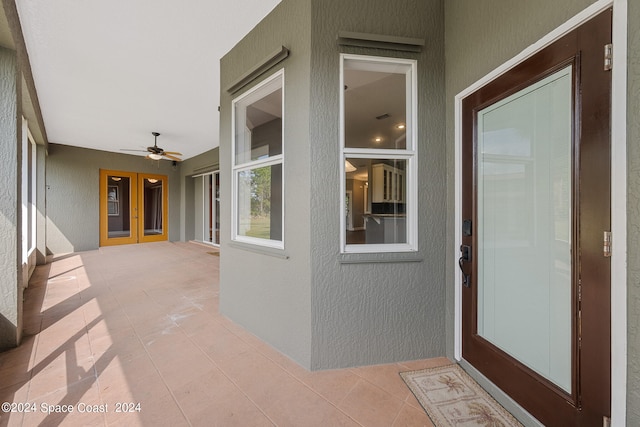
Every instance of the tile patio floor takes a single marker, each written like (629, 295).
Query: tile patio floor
(140, 324)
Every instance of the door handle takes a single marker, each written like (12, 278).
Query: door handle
(465, 256)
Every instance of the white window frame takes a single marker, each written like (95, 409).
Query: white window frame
(409, 154)
(24, 146)
(33, 201)
(28, 210)
(236, 169)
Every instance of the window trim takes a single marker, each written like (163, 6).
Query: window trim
(28, 192)
(255, 164)
(409, 154)
(32, 200)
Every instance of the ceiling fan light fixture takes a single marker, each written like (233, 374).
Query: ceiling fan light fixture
(155, 156)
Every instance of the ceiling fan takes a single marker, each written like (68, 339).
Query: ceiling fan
(157, 153)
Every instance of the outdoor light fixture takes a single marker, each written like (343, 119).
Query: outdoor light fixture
(152, 180)
(115, 178)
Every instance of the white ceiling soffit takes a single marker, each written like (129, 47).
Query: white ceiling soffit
(109, 72)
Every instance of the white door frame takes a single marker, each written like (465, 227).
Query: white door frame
(618, 191)
(212, 200)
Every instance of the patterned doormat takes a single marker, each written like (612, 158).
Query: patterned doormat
(452, 398)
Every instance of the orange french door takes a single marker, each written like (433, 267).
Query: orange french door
(133, 207)
(118, 207)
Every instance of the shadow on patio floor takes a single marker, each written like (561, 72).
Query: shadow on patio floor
(131, 335)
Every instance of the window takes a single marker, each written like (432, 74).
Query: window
(32, 192)
(258, 164)
(378, 154)
(28, 192)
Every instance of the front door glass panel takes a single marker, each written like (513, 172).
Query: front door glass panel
(118, 206)
(525, 226)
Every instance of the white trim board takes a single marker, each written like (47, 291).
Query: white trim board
(618, 196)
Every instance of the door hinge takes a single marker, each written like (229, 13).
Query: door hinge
(606, 247)
(579, 290)
(608, 57)
(606, 421)
(579, 328)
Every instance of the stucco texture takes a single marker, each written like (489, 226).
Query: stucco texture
(376, 312)
(633, 215)
(317, 310)
(270, 295)
(73, 183)
(10, 289)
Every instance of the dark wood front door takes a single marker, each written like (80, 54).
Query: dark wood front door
(536, 208)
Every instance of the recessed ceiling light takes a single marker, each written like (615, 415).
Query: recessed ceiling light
(378, 139)
(400, 126)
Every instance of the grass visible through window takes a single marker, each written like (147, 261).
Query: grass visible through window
(259, 227)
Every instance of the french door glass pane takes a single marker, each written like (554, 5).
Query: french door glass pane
(216, 194)
(118, 206)
(152, 199)
(524, 223)
(208, 208)
(212, 208)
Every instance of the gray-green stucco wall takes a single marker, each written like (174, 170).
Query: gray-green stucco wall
(191, 200)
(10, 201)
(480, 36)
(366, 312)
(320, 311)
(73, 187)
(270, 294)
(633, 214)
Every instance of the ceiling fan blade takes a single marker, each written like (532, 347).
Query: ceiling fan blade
(175, 153)
(169, 156)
